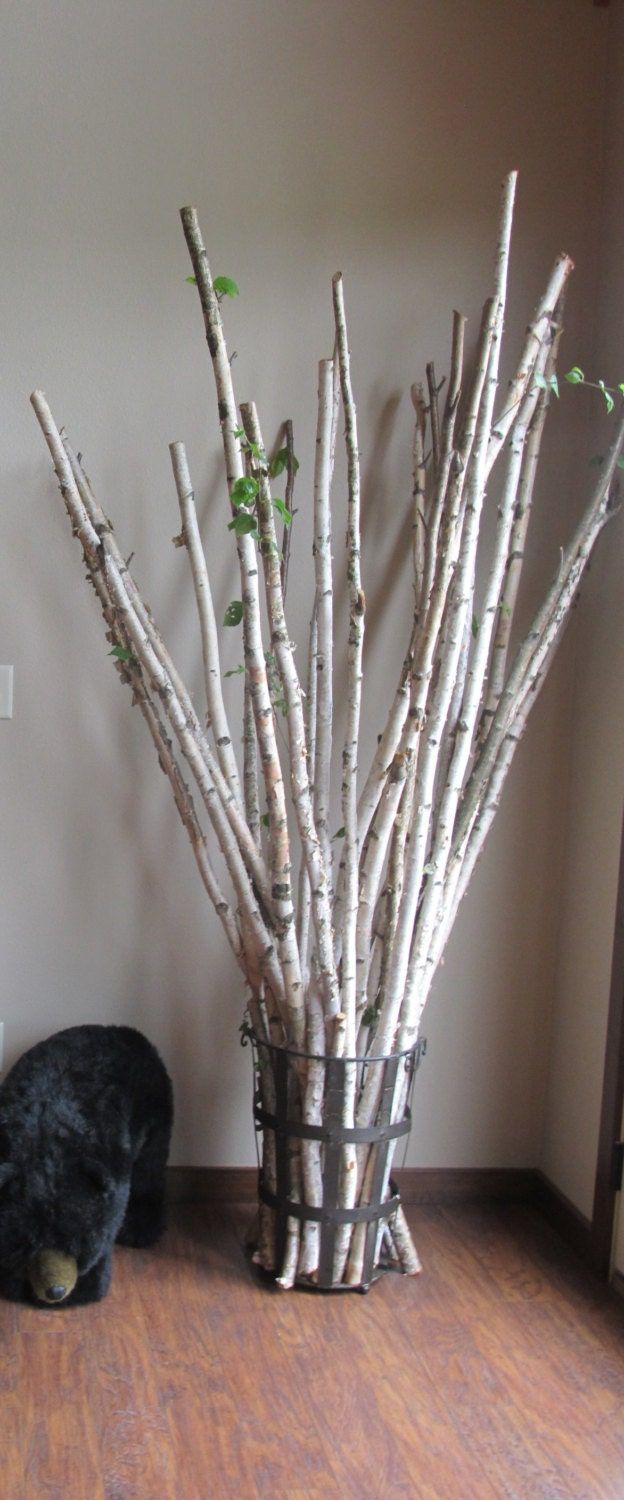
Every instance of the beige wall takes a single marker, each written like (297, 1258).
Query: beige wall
(594, 817)
(311, 134)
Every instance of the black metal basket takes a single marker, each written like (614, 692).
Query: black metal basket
(332, 1136)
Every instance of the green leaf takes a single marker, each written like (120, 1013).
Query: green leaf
(610, 403)
(121, 653)
(620, 463)
(370, 1015)
(234, 671)
(225, 287)
(192, 280)
(621, 388)
(547, 385)
(281, 704)
(575, 376)
(475, 626)
(264, 820)
(244, 525)
(244, 491)
(234, 613)
(283, 511)
(340, 834)
(239, 432)
(280, 462)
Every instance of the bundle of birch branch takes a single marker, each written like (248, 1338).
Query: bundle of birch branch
(342, 965)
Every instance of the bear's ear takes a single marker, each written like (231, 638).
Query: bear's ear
(7, 1171)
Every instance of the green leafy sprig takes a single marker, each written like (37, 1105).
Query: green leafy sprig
(222, 285)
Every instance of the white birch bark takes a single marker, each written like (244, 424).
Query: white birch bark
(476, 433)
(345, 1035)
(250, 767)
(281, 890)
(535, 334)
(510, 589)
(190, 536)
(324, 612)
(419, 500)
(467, 721)
(231, 808)
(304, 897)
(299, 775)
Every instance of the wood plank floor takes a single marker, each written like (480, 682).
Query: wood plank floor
(498, 1373)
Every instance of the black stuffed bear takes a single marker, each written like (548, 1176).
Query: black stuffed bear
(85, 1124)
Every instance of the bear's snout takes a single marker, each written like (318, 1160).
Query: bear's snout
(52, 1275)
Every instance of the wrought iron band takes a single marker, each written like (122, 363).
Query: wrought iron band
(334, 1133)
(370, 1213)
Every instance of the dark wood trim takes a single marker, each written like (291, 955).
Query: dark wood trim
(612, 1095)
(416, 1184)
(617, 1283)
(212, 1184)
(571, 1225)
(462, 1184)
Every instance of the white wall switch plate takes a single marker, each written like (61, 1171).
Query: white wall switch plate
(6, 692)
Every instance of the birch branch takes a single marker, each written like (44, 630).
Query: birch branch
(304, 893)
(509, 591)
(299, 776)
(345, 1035)
(250, 767)
(357, 606)
(323, 611)
(418, 493)
(288, 501)
(476, 432)
(434, 417)
(252, 635)
(177, 688)
(191, 538)
(543, 315)
(98, 552)
(529, 652)
(467, 721)
(439, 495)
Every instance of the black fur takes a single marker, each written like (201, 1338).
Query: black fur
(85, 1124)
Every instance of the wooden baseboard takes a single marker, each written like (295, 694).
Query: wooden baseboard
(462, 1184)
(617, 1283)
(416, 1184)
(212, 1184)
(561, 1214)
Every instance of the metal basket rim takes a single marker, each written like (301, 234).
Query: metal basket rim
(326, 1057)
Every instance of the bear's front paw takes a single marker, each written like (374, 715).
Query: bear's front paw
(144, 1223)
